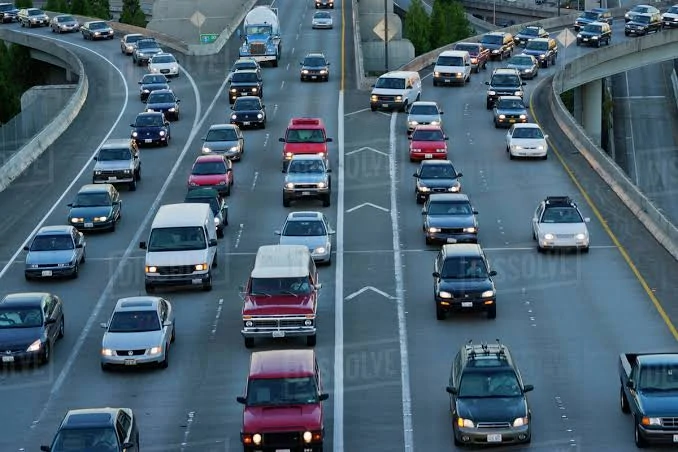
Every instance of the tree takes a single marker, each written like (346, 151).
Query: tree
(101, 9)
(132, 13)
(418, 27)
(24, 4)
(448, 23)
(81, 7)
(57, 6)
(461, 29)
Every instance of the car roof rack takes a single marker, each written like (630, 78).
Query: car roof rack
(559, 201)
(484, 349)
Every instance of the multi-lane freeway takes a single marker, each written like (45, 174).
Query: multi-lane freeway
(383, 355)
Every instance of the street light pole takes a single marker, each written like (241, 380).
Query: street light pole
(386, 35)
(494, 12)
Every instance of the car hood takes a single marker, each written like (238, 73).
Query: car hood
(161, 105)
(653, 404)
(132, 341)
(90, 212)
(528, 143)
(149, 50)
(632, 22)
(220, 145)
(278, 305)
(148, 129)
(304, 178)
(312, 242)
(308, 148)
(154, 86)
(450, 221)
(102, 30)
(584, 20)
(387, 92)
(669, 16)
(423, 118)
(562, 228)
(286, 418)
(245, 112)
(534, 52)
(459, 287)
(492, 46)
(112, 165)
(207, 179)
(523, 36)
(428, 145)
(492, 409)
(16, 338)
(69, 23)
(171, 258)
(511, 111)
(438, 183)
(50, 257)
(243, 84)
(322, 20)
(314, 68)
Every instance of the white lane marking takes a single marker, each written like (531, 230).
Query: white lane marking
(268, 135)
(367, 148)
(297, 38)
(254, 182)
(287, 68)
(187, 430)
(356, 112)
(275, 110)
(638, 97)
(633, 141)
(408, 432)
(365, 289)
(338, 430)
(106, 294)
(282, 85)
(293, 47)
(58, 202)
(367, 204)
(239, 235)
(215, 324)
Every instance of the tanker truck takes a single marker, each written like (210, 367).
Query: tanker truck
(261, 35)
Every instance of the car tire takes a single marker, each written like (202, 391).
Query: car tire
(150, 289)
(440, 313)
(47, 354)
(174, 333)
(492, 312)
(496, 124)
(511, 157)
(540, 249)
(112, 228)
(133, 185)
(434, 84)
(62, 328)
(76, 271)
(419, 199)
(623, 401)
(585, 250)
(27, 277)
(166, 142)
(488, 105)
(104, 367)
(207, 286)
(220, 233)
(137, 174)
(249, 342)
(311, 341)
(641, 443)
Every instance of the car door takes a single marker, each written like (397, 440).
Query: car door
(509, 134)
(536, 218)
(51, 329)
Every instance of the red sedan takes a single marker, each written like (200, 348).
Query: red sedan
(428, 142)
(212, 171)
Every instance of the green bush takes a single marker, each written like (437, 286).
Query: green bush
(132, 13)
(447, 24)
(24, 4)
(18, 72)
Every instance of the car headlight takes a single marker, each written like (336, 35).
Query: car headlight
(100, 219)
(320, 250)
(399, 98)
(260, 116)
(206, 150)
(491, 93)
(468, 423)
(594, 37)
(455, 188)
(435, 123)
(474, 60)
(233, 149)
(423, 189)
(502, 116)
(256, 439)
(234, 117)
(487, 294)
(580, 236)
(470, 230)
(304, 71)
(414, 123)
(151, 269)
(200, 267)
(233, 90)
(373, 98)
(651, 421)
(289, 185)
(147, 91)
(161, 133)
(35, 346)
(459, 74)
(77, 220)
(289, 155)
(308, 437)
(149, 110)
(249, 324)
(97, 173)
(217, 221)
(627, 16)
(155, 350)
(433, 229)
(106, 352)
(154, 69)
(172, 110)
(33, 266)
(321, 185)
(254, 90)
(522, 116)
(134, 134)
(436, 74)
(518, 93)
(323, 71)
(549, 237)
(127, 171)
(308, 322)
(520, 421)
(443, 294)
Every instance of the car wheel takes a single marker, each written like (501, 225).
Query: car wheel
(104, 367)
(84, 256)
(585, 250)
(149, 288)
(220, 233)
(47, 354)
(76, 271)
(166, 142)
(534, 236)
(137, 174)
(440, 313)
(419, 199)
(639, 440)
(62, 328)
(53, 30)
(326, 201)
(174, 333)
(488, 105)
(492, 312)
(207, 286)
(311, 341)
(249, 342)
(112, 228)
(27, 277)
(511, 157)
(623, 402)
(286, 202)
(228, 190)
(496, 124)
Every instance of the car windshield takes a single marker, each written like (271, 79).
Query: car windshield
(149, 121)
(86, 440)
(589, 15)
(221, 135)
(163, 59)
(464, 268)
(280, 286)
(306, 166)
(282, 391)
(52, 243)
(97, 25)
(529, 31)
(132, 39)
(242, 104)
(658, 378)
(450, 61)
(437, 172)
(495, 383)
(35, 12)
(20, 318)
(92, 200)
(500, 80)
(177, 239)
(470, 48)
(322, 15)
(521, 61)
(208, 168)
(244, 77)
(528, 133)
(592, 29)
(428, 135)
(65, 19)
(561, 215)
(134, 322)
(147, 44)
(424, 110)
(643, 19)
(449, 208)
(244, 65)
(112, 154)
(314, 61)
(304, 229)
(6, 7)
(492, 39)
(390, 83)
(640, 9)
(510, 104)
(537, 45)
(153, 79)
(305, 136)
(673, 10)
(160, 98)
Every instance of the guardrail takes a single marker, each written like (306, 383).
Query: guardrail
(30, 152)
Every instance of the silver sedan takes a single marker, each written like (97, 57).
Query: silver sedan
(527, 65)
(64, 23)
(139, 333)
(322, 19)
(55, 251)
(310, 229)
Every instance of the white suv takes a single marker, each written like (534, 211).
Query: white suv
(452, 67)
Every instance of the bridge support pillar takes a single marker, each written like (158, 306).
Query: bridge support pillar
(578, 107)
(592, 97)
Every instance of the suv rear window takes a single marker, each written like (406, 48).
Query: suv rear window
(492, 39)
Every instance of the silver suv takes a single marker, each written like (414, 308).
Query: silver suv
(307, 176)
(117, 162)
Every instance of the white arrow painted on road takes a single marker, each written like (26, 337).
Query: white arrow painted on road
(365, 204)
(367, 149)
(365, 289)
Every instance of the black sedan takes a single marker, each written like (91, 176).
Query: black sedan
(151, 128)
(248, 111)
(449, 218)
(435, 176)
(165, 102)
(97, 29)
(96, 206)
(150, 83)
(30, 324)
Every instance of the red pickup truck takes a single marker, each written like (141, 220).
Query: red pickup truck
(305, 136)
(478, 53)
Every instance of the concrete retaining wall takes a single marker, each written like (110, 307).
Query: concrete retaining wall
(16, 164)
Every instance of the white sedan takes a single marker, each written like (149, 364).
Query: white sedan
(526, 140)
(558, 224)
(322, 19)
(164, 63)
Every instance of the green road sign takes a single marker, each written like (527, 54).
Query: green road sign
(208, 38)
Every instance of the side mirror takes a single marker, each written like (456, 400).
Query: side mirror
(318, 286)
(446, 138)
(241, 399)
(131, 125)
(168, 81)
(475, 212)
(26, 248)
(441, 112)
(167, 123)
(415, 175)
(528, 388)
(282, 140)
(546, 137)
(459, 175)
(324, 396)
(493, 273)
(178, 100)
(167, 323)
(142, 245)
(371, 86)
(329, 63)
(50, 321)
(277, 232)
(328, 170)
(630, 384)
(45, 448)
(203, 138)
(103, 325)
(140, 82)
(331, 232)
(587, 220)
(79, 245)
(212, 242)
(487, 83)
(451, 390)
(328, 140)
(423, 211)
(436, 274)
(409, 137)
(70, 204)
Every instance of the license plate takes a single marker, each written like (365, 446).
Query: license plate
(469, 304)
(384, 105)
(447, 80)
(148, 141)
(246, 123)
(196, 281)
(130, 362)
(675, 437)
(7, 359)
(283, 450)
(586, 39)
(494, 438)
(47, 273)
(512, 120)
(89, 225)
(451, 240)
(112, 178)
(278, 334)
(428, 156)
(314, 76)
(305, 193)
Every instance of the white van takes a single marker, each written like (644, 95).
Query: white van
(181, 248)
(396, 90)
(452, 67)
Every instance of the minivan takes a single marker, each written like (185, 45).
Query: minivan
(395, 91)
(452, 67)
(181, 248)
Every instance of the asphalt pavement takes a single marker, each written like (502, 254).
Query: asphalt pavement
(645, 136)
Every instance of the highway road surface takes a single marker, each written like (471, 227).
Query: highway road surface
(565, 317)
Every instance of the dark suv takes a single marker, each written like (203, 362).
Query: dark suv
(247, 82)
(545, 50)
(144, 51)
(643, 24)
(8, 12)
(504, 82)
(487, 397)
(314, 67)
(462, 281)
(595, 34)
(593, 15)
(499, 43)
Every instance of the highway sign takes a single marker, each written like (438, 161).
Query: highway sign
(380, 30)
(566, 38)
(208, 38)
(198, 19)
